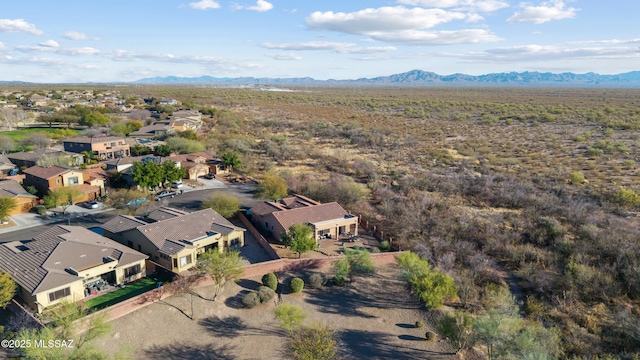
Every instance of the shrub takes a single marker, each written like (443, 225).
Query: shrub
(384, 246)
(266, 293)
(419, 324)
(374, 250)
(338, 280)
(41, 210)
(251, 300)
(270, 280)
(430, 336)
(316, 280)
(296, 285)
(626, 197)
(577, 178)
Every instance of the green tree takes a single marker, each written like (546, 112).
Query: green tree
(184, 146)
(95, 118)
(431, 286)
(501, 322)
(139, 150)
(128, 200)
(147, 174)
(221, 266)
(299, 237)
(172, 172)
(272, 186)
(230, 160)
(162, 150)
(313, 342)
(188, 134)
(270, 280)
(289, 317)
(355, 263)
(458, 328)
(63, 197)
(7, 204)
(7, 289)
(67, 326)
(224, 204)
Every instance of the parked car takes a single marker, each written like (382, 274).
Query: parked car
(136, 202)
(176, 184)
(93, 204)
(210, 176)
(165, 193)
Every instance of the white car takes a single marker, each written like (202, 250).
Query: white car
(177, 184)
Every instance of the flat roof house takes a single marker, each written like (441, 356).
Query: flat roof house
(66, 263)
(328, 220)
(174, 238)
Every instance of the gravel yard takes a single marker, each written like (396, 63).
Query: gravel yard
(374, 319)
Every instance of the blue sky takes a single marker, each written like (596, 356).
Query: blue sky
(81, 41)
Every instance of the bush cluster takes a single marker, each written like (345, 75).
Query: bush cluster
(296, 285)
(270, 280)
(317, 280)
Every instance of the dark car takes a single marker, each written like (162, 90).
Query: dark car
(165, 193)
(210, 176)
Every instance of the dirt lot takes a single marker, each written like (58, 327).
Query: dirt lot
(374, 318)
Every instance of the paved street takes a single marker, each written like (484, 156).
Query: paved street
(30, 225)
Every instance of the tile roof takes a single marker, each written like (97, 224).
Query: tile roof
(5, 160)
(310, 214)
(11, 188)
(54, 257)
(122, 223)
(45, 172)
(165, 213)
(92, 140)
(33, 155)
(172, 234)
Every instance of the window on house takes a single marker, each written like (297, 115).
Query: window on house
(175, 263)
(130, 243)
(58, 181)
(185, 260)
(132, 270)
(113, 144)
(73, 180)
(62, 293)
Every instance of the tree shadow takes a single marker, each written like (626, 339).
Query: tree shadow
(249, 284)
(381, 346)
(234, 326)
(189, 352)
(411, 338)
(235, 302)
(348, 300)
(406, 326)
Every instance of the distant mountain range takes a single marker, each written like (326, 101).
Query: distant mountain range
(425, 78)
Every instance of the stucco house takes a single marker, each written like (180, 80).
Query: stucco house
(152, 131)
(24, 200)
(67, 263)
(31, 158)
(328, 220)
(196, 164)
(174, 238)
(45, 179)
(105, 147)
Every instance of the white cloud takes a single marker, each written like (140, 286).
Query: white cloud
(3, 47)
(19, 25)
(547, 11)
(261, 6)
(289, 56)
(74, 35)
(204, 5)
(370, 20)
(418, 37)
(402, 25)
(338, 47)
(536, 53)
(464, 5)
(49, 44)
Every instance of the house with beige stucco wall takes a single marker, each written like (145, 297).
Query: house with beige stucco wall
(65, 262)
(174, 238)
(327, 220)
